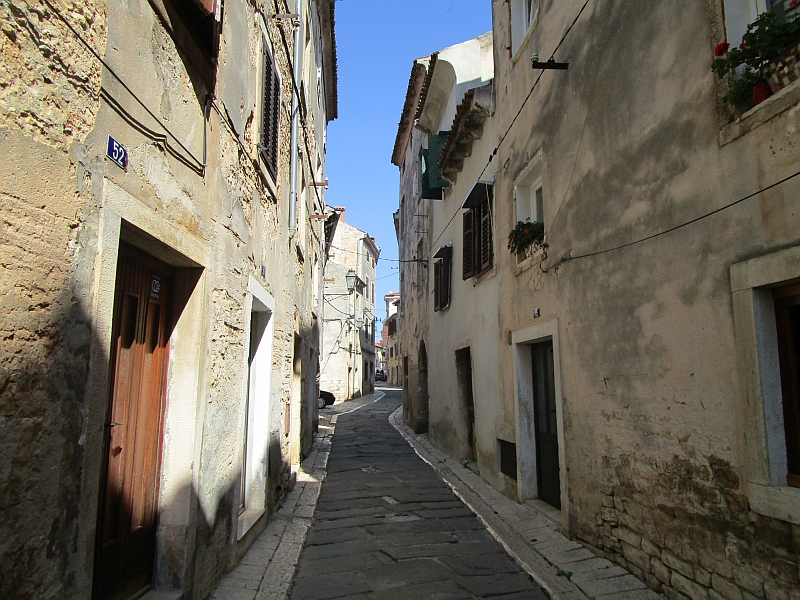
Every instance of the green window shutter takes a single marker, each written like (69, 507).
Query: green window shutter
(432, 180)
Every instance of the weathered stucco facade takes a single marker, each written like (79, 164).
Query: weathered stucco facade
(639, 400)
(658, 439)
(198, 204)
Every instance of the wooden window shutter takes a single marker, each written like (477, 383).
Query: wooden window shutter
(270, 114)
(468, 261)
(437, 285)
(485, 237)
(447, 268)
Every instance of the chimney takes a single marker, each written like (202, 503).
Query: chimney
(342, 210)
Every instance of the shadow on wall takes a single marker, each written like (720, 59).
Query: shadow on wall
(44, 515)
(43, 376)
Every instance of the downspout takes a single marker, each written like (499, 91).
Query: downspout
(296, 75)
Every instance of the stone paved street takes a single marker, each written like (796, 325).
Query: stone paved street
(387, 527)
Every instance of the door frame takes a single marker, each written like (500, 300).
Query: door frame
(259, 413)
(124, 217)
(527, 480)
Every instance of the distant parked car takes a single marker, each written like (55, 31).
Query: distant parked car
(325, 399)
(380, 375)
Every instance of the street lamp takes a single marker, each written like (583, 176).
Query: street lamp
(350, 280)
(359, 323)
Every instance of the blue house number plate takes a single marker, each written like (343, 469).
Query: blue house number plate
(117, 153)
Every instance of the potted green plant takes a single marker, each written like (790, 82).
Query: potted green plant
(765, 62)
(525, 235)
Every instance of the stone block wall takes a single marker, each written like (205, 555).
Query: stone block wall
(740, 555)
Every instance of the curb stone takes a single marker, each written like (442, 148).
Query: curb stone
(267, 570)
(553, 560)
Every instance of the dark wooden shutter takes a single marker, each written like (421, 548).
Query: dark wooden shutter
(485, 236)
(270, 114)
(468, 261)
(437, 285)
(447, 268)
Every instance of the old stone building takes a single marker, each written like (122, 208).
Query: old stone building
(647, 345)
(411, 223)
(348, 344)
(643, 340)
(160, 325)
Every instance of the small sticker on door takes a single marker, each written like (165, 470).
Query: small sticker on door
(155, 287)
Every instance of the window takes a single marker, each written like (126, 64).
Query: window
(523, 16)
(270, 113)
(740, 13)
(787, 320)
(478, 254)
(529, 194)
(766, 312)
(442, 267)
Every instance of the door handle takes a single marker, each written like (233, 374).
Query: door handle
(113, 424)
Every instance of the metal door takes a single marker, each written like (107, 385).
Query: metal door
(544, 402)
(127, 508)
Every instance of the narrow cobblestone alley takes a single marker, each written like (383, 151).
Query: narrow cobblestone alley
(387, 526)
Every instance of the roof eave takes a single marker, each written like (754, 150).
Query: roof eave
(329, 58)
(415, 82)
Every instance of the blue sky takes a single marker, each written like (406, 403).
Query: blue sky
(377, 42)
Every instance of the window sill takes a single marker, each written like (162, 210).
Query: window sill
(532, 260)
(764, 112)
(485, 276)
(778, 502)
(246, 521)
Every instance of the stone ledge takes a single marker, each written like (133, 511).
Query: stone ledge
(758, 115)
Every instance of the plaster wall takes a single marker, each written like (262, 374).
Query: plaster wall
(654, 459)
(474, 302)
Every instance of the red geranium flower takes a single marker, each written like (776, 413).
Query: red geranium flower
(743, 46)
(793, 4)
(723, 47)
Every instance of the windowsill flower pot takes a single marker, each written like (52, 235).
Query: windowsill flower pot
(525, 238)
(783, 69)
(768, 54)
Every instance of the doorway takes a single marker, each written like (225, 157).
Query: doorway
(467, 400)
(546, 423)
(128, 504)
(423, 408)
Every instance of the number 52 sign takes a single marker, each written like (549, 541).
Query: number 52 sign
(117, 153)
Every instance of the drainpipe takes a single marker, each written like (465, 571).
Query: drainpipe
(297, 75)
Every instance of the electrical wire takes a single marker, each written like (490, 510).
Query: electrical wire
(519, 112)
(200, 165)
(676, 227)
(332, 247)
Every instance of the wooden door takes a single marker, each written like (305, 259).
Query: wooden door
(544, 408)
(127, 508)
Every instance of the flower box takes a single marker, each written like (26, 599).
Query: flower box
(783, 69)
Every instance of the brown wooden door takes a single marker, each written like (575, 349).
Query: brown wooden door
(544, 409)
(126, 523)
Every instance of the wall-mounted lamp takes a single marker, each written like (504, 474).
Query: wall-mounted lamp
(350, 280)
